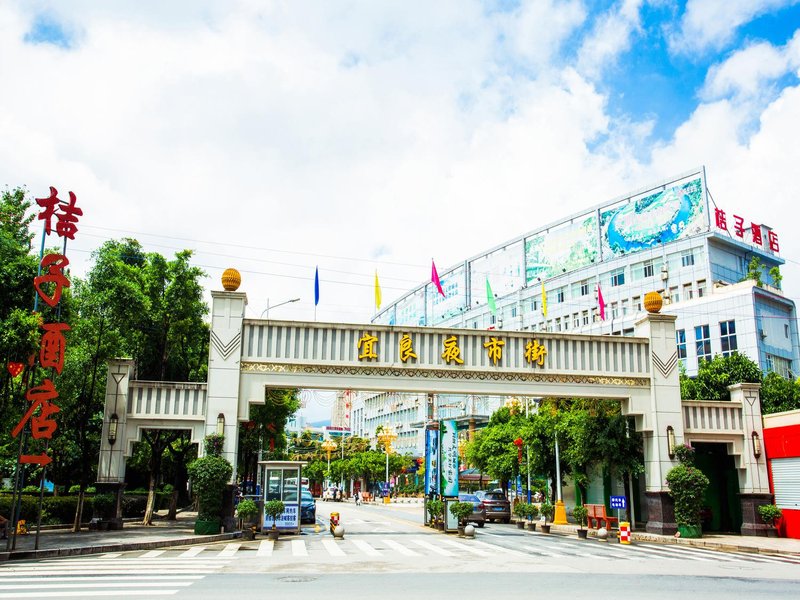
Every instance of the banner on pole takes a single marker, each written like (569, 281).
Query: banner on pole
(449, 458)
(431, 461)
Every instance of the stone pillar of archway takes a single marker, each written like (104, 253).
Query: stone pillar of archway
(224, 356)
(753, 478)
(659, 412)
(111, 463)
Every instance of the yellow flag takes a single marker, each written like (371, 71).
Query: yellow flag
(544, 301)
(377, 292)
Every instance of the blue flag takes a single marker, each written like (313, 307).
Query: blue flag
(316, 286)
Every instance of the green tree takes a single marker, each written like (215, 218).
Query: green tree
(715, 375)
(755, 271)
(779, 394)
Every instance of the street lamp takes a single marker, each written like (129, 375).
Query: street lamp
(386, 437)
(266, 310)
(329, 446)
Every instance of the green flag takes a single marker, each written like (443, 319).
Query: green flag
(490, 298)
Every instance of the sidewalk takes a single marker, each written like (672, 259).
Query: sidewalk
(133, 536)
(710, 541)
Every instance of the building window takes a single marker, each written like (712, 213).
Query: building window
(560, 295)
(585, 317)
(680, 338)
(687, 292)
(702, 338)
(701, 288)
(558, 324)
(624, 307)
(687, 259)
(637, 303)
(648, 269)
(727, 335)
(614, 310)
(673, 294)
(617, 277)
(492, 319)
(513, 311)
(576, 321)
(781, 366)
(535, 305)
(584, 287)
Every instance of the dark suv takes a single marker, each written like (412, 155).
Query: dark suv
(498, 508)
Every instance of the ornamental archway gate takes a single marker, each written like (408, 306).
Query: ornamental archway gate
(248, 355)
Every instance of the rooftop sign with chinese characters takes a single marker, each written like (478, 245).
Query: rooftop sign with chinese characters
(747, 231)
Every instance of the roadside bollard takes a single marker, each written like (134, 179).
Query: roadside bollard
(624, 533)
(334, 522)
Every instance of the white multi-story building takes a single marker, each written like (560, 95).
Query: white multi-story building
(589, 272)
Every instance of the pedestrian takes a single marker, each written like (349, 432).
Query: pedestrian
(4, 527)
(358, 497)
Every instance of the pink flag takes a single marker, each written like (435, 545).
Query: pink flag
(435, 278)
(601, 303)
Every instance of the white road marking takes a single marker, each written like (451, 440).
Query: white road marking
(432, 548)
(400, 548)
(152, 554)
(193, 552)
(366, 548)
(299, 548)
(265, 548)
(466, 548)
(333, 548)
(229, 551)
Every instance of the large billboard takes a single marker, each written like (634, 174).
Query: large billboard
(562, 248)
(503, 268)
(454, 285)
(654, 218)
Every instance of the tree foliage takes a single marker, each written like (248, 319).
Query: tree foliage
(779, 394)
(715, 375)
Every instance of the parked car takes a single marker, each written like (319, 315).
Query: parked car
(333, 494)
(478, 515)
(308, 507)
(498, 508)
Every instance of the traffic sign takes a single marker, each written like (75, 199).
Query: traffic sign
(618, 503)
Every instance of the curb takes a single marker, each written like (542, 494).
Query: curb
(667, 540)
(124, 547)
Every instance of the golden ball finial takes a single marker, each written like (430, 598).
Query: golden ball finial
(231, 280)
(652, 302)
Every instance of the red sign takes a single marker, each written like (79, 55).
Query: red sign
(721, 221)
(49, 286)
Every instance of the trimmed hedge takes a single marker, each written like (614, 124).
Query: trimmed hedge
(58, 510)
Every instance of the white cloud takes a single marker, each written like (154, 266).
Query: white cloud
(746, 73)
(611, 35)
(712, 24)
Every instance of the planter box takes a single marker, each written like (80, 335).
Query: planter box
(531, 526)
(520, 524)
(206, 527)
(545, 528)
(690, 531)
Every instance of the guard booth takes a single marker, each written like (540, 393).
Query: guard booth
(281, 481)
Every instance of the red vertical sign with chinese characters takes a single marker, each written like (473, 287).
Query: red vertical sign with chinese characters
(61, 216)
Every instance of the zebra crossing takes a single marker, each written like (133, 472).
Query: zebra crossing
(168, 571)
(152, 573)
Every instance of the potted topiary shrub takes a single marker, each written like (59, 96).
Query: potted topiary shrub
(520, 511)
(274, 509)
(687, 486)
(531, 512)
(580, 513)
(436, 512)
(210, 475)
(770, 514)
(547, 511)
(247, 510)
(461, 511)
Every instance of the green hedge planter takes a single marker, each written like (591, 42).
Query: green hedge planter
(207, 527)
(690, 531)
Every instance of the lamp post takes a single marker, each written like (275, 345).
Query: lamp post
(266, 310)
(329, 446)
(386, 437)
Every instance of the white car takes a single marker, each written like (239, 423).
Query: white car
(331, 493)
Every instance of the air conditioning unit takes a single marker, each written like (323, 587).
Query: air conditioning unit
(664, 273)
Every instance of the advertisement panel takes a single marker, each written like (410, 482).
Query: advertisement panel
(563, 248)
(290, 519)
(411, 309)
(386, 317)
(503, 267)
(454, 285)
(431, 461)
(448, 458)
(654, 218)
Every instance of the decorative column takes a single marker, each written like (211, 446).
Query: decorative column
(753, 478)
(661, 413)
(224, 356)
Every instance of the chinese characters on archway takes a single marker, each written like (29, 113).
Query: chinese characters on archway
(738, 228)
(368, 348)
(61, 216)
